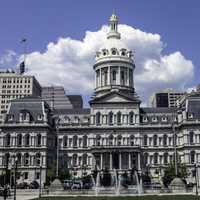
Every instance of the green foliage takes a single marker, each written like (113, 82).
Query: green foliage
(51, 172)
(170, 173)
(64, 173)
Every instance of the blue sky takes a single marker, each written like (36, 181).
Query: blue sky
(42, 22)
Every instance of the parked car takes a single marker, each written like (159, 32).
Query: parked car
(1, 191)
(34, 185)
(77, 184)
(87, 185)
(67, 184)
(22, 185)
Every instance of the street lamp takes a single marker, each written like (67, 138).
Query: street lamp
(57, 149)
(15, 176)
(196, 177)
(175, 150)
(40, 188)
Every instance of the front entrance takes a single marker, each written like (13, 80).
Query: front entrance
(115, 160)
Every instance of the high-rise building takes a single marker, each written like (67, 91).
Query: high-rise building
(57, 99)
(165, 98)
(13, 86)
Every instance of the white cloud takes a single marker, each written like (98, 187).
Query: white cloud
(8, 58)
(69, 62)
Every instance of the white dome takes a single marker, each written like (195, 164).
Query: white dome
(113, 43)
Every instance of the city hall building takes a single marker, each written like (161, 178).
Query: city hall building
(116, 132)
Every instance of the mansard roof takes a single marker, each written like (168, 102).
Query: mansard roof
(150, 110)
(33, 105)
(78, 111)
(194, 108)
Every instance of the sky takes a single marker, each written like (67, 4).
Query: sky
(63, 36)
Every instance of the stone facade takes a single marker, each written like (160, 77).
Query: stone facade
(116, 132)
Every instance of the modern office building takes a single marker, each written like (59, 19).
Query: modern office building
(57, 99)
(165, 99)
(13, 86)
(115, 134)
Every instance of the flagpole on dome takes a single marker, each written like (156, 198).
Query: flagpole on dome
(22, 64)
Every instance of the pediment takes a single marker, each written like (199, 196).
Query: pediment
(115, 97)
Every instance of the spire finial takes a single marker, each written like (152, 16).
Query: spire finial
(113, 33)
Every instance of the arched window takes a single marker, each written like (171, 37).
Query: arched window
(191, 137)
(155, 157)
(145, 140)
(7, 159)
(192, 157)
(19, 140)
(110, 140)
(98, 140)
(114, 76)
(119, 118)
(75, 141)
(84, 159)
(7, 140)
(37, 159)
(19, 158)
(119, 140)
(110, 118)
(122, 78)
(165, 158)
(98, 118)
(165, 140)
(155, 140)
(131, 117)
(26, 159)
(38, 140)
(132, 138)
(85, 141)
(146, 155)
(74, 160)
(65, 140)
(27, 139)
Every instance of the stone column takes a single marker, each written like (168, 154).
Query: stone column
(139, 167)
(120, 160)
(101, 161)
(108, 76)
(110, 161)
(119, 76)
(129, 160)
(100, 84)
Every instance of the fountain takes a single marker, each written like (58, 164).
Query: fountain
(97, 185)
(138, 183)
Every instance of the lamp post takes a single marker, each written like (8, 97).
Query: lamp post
(40, 188)
(15, 176)
(196, 177)
(175, 150)
(57, 149)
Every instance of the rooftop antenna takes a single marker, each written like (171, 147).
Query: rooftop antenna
(22, 64)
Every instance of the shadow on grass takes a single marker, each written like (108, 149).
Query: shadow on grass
(166, 197)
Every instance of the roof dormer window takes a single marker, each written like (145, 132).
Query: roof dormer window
(164, 119)
(190, 116)
(154, 119)
(10, 117)
(40, 117)
(145, 119)
(114, 52)
(105, 52)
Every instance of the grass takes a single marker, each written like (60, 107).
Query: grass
(166, 197)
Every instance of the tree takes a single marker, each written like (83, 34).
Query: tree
(170, 173)
(64, 173)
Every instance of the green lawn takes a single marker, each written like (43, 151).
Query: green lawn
(167, 197)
